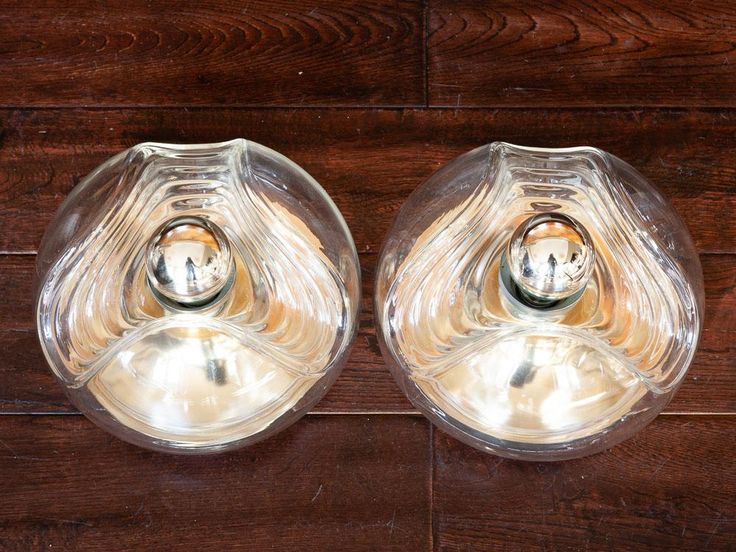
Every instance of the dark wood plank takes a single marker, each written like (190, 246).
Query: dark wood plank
(671, 487)
(579, 53)
(369, 160)
(26, 384)
(710, 384)
(214, 52)
(328, 483)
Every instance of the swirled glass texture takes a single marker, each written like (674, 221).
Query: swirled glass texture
(538, 383)
(222, 374)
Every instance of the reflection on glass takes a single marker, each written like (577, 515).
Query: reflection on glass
(538, 304)
(193, 298)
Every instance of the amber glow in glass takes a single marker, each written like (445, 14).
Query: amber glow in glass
(539, 303)
(196, 298)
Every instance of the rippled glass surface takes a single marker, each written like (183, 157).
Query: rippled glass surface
(528, 380)
(228, 367)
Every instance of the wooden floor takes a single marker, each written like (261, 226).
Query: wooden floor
(370, 98)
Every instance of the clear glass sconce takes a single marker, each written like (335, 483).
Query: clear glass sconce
(539, 303)
(196, 298)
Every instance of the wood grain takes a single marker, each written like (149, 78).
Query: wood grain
(353, 93)
(213, 52)
(69, 486)
(579, 53)
(26, 384)
(369, 160)
(671, 487)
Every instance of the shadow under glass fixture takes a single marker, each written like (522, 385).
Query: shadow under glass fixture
(193, 298)
(538, 304)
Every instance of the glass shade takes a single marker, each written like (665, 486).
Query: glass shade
(539, 304)
(196, 298)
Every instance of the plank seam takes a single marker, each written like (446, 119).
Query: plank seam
(425, 49)
(369, 107)
(433, 542)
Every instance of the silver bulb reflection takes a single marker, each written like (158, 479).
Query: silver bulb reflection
(550, 258)
(189, 261)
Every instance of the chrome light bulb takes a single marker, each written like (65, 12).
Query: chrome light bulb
(550, 259)
(189, 261)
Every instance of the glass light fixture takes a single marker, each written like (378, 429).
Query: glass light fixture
(539, 304)
(194, 298)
